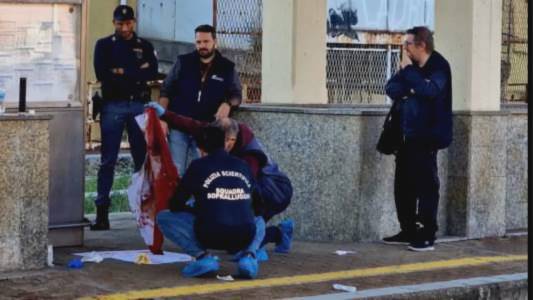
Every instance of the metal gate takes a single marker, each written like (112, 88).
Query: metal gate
(239, 35)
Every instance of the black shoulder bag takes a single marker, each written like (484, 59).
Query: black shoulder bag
(391, 135)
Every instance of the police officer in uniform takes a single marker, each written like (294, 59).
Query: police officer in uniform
(123, 64)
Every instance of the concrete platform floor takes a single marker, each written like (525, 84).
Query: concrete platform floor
(310, 269)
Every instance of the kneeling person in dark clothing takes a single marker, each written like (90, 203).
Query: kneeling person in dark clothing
(241, 142)
(222, 217)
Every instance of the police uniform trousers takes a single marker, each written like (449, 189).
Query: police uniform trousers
(115, 117)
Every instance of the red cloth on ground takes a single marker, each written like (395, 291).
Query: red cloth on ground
(162, 174)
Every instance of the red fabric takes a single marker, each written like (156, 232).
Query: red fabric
(253, 163)
(183, 123)
(244, 137)
(163, 176)
(194, 128)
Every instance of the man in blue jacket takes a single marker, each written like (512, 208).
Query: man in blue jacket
(202, 85)
(222, 217)
(123, 63)
(424, 90)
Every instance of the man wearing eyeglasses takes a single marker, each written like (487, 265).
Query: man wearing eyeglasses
(424, 90)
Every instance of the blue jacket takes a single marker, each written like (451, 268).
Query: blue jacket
(273, 186)
(136, 56)
(183, 85)
(425, 96)
(222, 187)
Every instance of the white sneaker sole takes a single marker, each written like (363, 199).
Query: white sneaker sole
(421, 249)
(394, 243)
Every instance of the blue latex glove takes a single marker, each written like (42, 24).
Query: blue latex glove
(75, 263)
(159, 110)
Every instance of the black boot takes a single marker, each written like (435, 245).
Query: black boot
(102, 218)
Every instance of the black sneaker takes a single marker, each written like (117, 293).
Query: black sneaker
(421, 246)
(401, 238)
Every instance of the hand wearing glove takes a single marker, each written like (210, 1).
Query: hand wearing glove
(159, 110)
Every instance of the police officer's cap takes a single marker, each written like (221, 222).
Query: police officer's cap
(123, 13)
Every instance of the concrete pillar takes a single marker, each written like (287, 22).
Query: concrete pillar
(24, 192)
(468, 34)
(294, 51)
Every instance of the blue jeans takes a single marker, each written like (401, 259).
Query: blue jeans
(115, 116)
(179, 228)
(182, 146)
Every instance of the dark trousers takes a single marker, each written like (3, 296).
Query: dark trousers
(115, 117)
(272, 233)
(416, 189)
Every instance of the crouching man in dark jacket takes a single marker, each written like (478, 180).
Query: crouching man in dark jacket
(272, 185)
(424, 90)
(222, 217)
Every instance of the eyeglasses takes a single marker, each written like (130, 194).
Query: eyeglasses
(407, 43)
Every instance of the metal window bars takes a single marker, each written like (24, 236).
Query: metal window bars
(357, 74)
(239, 34)
(514, 60)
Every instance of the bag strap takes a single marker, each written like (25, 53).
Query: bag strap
(389, 115)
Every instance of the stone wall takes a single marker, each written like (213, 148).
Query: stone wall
(344, 188)
(24, 190)
(516, 191)
(477, 175)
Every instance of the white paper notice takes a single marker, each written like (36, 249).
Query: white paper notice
(41, 42)
(131, 256)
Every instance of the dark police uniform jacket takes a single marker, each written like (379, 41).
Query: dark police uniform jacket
(186, 94)
(222, 187)
(136, 56)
